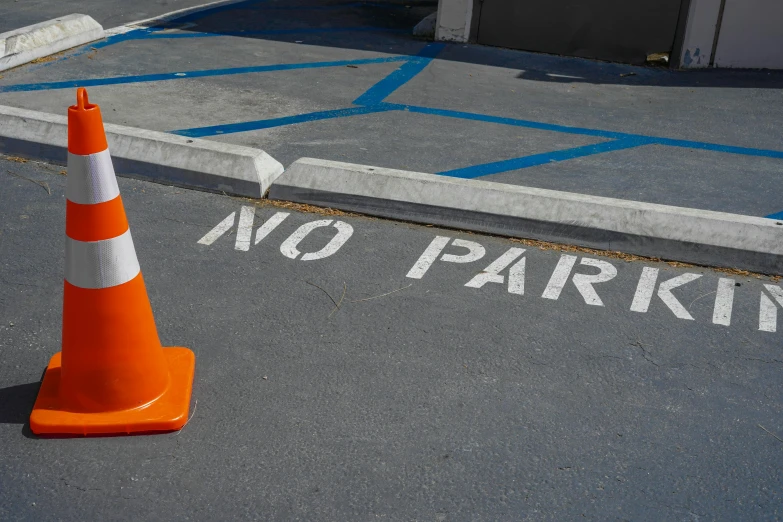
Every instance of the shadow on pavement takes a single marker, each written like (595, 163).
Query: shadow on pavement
(16, 402)
(386, 26)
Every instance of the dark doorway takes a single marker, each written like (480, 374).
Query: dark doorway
(614, 30)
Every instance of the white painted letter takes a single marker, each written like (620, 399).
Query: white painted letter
(475, 252)
(220, 229)
(428, 257)
(768, 312)
(491, 274)
(646, 286)
(724, 302)
(559, 277)
(245, 229)
(665, 293)
(344, 232)
(584, 283)
(269, 225)
(644, 290)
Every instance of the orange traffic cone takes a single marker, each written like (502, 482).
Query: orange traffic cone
(112, 375)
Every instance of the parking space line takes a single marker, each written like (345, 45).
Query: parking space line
(407, 71)
(144, 78)
(230, 128)
(523, 162)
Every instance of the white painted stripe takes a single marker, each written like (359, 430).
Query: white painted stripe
(665, 293)
(220, 229)
(724, 302)
(428, 257)
(475, 252)
(269, 225)
(584, 282)
(245, 228)
(768, 312)
(644, 290)
(91, 179)
(491, 274)
(559, 277)
(101, 264)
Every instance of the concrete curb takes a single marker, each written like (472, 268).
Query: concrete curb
(684, 234)
(23, 45)
(150, 155)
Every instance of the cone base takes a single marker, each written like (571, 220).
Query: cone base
(168, 412)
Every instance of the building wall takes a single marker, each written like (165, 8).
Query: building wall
(751, 34)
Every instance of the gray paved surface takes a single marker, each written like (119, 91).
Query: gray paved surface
(435, 402)
(19, 13)
(290, 110)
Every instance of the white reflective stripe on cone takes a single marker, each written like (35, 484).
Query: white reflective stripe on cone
(91, 178)
(101, 264)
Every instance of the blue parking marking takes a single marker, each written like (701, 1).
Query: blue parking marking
(372, 100)
(142, 78)
(497, 167)
(231, 128)
(384, 88)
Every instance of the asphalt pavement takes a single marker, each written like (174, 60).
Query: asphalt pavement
(109, 13)
(370, 369)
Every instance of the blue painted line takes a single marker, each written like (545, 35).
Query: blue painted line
(747, 151)
(715, 147)
(231, 128)
(270, 32)
(515, 122)
(142, 78)
(778, 215)
(384, 88)
(524, 162)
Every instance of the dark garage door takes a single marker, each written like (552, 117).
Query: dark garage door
(616, 30)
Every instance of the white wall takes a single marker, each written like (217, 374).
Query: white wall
(751, 34)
